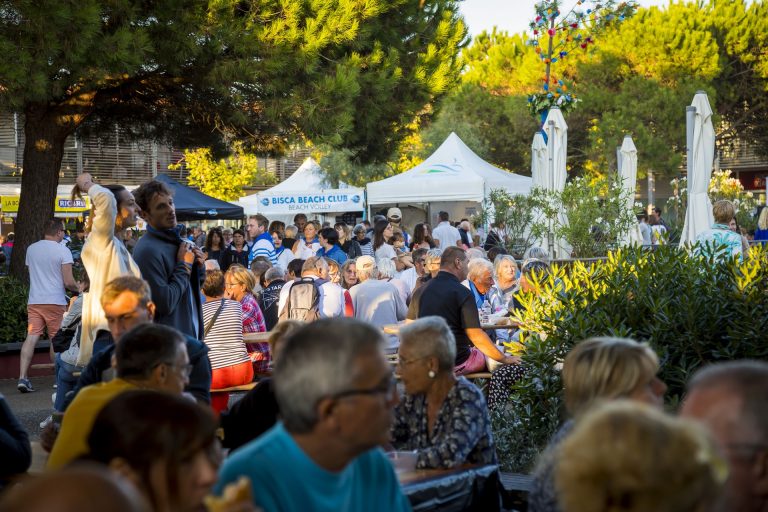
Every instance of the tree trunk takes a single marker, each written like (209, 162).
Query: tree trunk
(45, 134)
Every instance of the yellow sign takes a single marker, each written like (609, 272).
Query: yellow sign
(10, 204)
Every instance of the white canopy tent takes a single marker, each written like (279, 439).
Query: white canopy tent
(305, 191)
(452, 173)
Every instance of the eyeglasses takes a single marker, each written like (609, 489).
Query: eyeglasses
(184, 370)
(422, 261)
(386, 387)
(231, 285)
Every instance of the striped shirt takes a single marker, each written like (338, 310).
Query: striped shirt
(225, 339)
(263, 246)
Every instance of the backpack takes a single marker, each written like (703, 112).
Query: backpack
(303, 300)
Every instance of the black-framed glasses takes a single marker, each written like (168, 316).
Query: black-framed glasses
(386, 387)
(185, 370)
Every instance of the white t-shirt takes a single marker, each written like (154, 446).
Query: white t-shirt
(446, 234)
(409, 277)
(46, 282)
(385, 252)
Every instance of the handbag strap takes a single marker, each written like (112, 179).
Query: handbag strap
(213, 320)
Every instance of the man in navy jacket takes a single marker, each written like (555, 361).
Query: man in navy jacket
(173, 267)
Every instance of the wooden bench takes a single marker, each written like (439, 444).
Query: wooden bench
(244, 388)
(516, 486)
(480, 379)
(42, 366)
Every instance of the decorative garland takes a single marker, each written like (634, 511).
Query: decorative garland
(555, 37)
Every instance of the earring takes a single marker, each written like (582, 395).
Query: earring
(431, 374)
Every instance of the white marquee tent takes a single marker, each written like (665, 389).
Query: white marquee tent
(452, 173)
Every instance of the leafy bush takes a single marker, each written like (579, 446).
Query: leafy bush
(692, 310)
(514, 212)
(13, 310)
(590, 215)
(721, 186)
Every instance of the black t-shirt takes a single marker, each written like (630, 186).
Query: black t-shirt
(445, 296)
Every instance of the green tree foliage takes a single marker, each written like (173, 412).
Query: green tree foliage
(226, 177)
(662, 297)
(638, 80)
(496, 127)
(345, 72)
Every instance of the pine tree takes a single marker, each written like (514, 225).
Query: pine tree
(201, 73)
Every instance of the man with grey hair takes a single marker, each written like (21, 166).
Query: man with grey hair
(479, 280)
(269, 297)
(410, 275)
(331, 295)
(376, 301)
(388, 273)
(731, 399)
(336, 395)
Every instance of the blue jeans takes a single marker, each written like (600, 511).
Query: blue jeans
(65, 381)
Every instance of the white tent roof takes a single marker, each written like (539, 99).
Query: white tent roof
(309, 176)
(452, 173)
(310, 179)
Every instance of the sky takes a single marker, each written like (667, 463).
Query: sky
(512, 15)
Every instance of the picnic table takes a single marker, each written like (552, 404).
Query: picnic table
(503, 323)
(469, 487)
(256, 337)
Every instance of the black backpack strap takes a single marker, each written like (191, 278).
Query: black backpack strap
(213, 320)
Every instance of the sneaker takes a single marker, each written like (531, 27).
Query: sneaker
(47, 421)
(25, 386)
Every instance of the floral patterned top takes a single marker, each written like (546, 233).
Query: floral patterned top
(462, 432)
(502, 300)
(720, 235)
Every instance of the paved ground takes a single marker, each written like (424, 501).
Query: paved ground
(30, 408)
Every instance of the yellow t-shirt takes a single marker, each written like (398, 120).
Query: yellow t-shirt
(72, 441)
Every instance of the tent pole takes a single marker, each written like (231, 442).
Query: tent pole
(690, 120)
(551, 144)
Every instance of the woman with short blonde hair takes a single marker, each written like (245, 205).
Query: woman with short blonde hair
(595, 370)
(240, 283)
(626, 456)
(605, 368)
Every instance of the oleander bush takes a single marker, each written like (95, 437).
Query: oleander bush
(13, 310)
(691, 309)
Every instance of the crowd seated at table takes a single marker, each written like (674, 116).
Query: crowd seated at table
(141, 435)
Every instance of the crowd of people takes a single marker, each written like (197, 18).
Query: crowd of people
(370, 334)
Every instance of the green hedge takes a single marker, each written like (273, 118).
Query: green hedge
(13, 310)
(691, 310)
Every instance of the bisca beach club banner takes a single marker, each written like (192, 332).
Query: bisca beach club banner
(338, 200)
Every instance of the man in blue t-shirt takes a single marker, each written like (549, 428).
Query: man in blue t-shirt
(336, 394)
